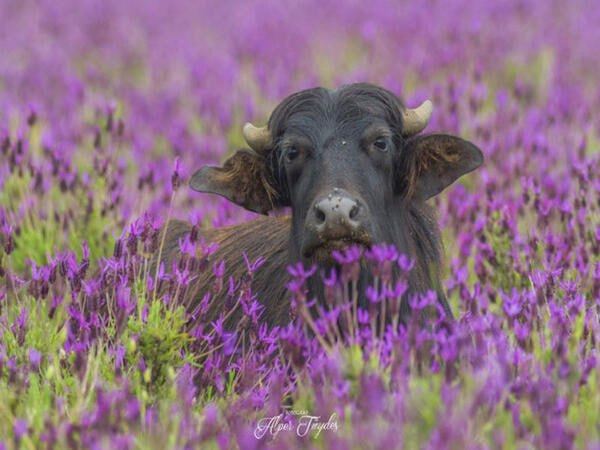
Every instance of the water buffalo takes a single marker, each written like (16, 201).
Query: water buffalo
(353, 168)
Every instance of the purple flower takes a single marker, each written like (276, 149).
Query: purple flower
(219, 270)
(347, 256)
(35, 358)
(362, 316)
(18, 327)
(421, 301)
(176, 176)
(186, 246)
(382, 253)
(119, 353)
(405, 263)
(512, 304)
(252, 267)
(373, 295)
(298, 271)
(20, 428)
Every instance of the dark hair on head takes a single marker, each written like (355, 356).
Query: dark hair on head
(308, 100)
(374, 101)
(347, 103)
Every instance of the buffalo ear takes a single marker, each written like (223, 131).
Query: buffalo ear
(436, 161)
(243, 179)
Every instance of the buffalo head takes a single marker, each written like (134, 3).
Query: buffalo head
(349, 162)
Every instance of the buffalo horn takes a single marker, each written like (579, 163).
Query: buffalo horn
(415, 120)
(259, 139)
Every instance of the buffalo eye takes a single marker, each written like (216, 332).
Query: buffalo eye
(291, 154)
(381, 144)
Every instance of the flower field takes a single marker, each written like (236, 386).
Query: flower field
(106, 108)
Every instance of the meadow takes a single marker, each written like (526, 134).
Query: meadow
(106, 108)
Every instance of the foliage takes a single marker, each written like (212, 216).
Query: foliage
(106, 108)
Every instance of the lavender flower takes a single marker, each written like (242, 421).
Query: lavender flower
(97, 129)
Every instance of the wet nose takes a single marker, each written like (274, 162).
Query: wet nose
(337, 215)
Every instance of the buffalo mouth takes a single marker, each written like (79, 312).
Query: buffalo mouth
(322, 252)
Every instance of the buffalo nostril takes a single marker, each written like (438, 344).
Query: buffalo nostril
(319, 215)
(353, 212)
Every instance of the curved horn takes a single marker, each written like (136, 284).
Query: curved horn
(415, 120)
(259, 139)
